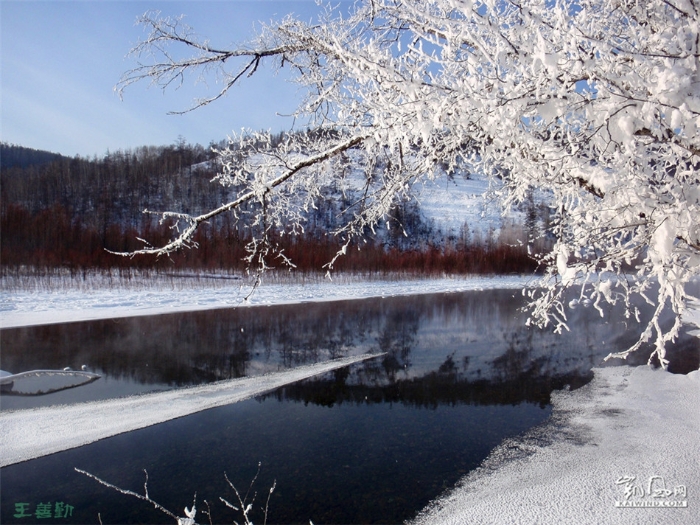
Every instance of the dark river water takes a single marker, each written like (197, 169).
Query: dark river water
(371, 443)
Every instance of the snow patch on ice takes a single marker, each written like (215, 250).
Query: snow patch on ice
(29, 434)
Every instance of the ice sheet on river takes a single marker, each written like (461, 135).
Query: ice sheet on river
(29, 434)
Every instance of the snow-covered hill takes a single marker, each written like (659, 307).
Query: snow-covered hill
(451, 203)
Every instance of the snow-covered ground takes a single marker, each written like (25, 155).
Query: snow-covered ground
(630, 432)
(62, 304)
(450, 203)
(628, 439)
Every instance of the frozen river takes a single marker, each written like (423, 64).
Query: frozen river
(376, 441)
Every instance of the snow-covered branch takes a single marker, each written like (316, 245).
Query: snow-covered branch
(246, 503)
(143, 497)
(257, 190)
(594, 102)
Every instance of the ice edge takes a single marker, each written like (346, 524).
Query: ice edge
(30, 434)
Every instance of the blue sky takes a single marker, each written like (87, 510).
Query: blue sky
(60, 61)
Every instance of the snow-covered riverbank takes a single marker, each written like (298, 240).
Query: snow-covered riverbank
(63, 304)
(622, 449)
(628, 439)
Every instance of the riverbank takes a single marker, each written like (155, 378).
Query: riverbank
(99, 298)
(622, 449)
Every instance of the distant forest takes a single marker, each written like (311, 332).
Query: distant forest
(12, 156)
(62, 212)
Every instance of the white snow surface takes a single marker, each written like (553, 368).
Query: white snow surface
(451, 203)
(629, 421)
(62, 305)
(29, 434)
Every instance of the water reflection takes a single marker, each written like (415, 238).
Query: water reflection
(441, 387)
(468, 337)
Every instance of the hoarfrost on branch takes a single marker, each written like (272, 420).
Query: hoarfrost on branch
(594, 102)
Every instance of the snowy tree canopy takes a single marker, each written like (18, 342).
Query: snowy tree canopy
(595, 102)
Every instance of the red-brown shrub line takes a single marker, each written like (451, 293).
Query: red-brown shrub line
(51, 238)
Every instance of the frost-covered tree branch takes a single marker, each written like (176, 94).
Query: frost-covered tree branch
(246, 503)
(593, 102)
(145, 497)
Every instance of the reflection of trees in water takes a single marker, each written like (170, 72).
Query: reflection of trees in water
(448, 367)
(446, 386)
(396, 339)
(478, 335)
(517, 358)
(191, 348)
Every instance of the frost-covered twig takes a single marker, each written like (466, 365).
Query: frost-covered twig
(246, 506)
(190, 513)
(144, 497)
(594, 102)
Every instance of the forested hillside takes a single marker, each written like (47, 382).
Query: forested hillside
(12, 155)
(71, 212)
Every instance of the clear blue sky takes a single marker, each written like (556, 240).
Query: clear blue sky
(60, 61)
